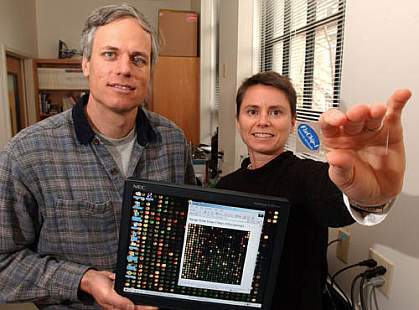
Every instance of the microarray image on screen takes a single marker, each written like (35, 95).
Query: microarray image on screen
(173, 253)
(215, 254)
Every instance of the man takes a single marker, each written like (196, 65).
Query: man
(61, 180)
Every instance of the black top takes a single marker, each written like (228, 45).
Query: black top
(316, 204)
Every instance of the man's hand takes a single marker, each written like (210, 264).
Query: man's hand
(366, 150)
(99, 284)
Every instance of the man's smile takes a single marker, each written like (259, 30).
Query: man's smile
(123, 87)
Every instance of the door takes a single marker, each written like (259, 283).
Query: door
(17, 104)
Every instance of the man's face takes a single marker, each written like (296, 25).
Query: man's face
(119, 67)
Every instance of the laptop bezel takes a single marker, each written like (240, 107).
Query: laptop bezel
(218, 196)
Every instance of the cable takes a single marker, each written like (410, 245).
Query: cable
(342, 292)
(332, 286)
(333, 241)
(364, 263)
(338, 290)
(370, 263)
(331, 283)
(340, 237)
(377, 281)
(370, 286)
(366, 275)
(362, 293)
(371, 297)
(367, 289)
(374, 272)
(375, 298)
(353, 290)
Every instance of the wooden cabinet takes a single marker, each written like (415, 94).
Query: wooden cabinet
(59, 83)
(175, 93)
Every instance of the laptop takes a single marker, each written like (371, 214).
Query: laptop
(187, 247)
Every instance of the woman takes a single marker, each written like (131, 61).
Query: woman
(359, 161)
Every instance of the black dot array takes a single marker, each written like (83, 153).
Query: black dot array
(215, 254)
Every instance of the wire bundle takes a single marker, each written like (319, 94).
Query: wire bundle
(370, 279)
(369, 263)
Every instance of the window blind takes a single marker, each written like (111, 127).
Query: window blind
(303, 39)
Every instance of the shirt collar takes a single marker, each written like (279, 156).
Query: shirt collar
(85, 134)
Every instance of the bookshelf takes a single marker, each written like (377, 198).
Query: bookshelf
(59, 83)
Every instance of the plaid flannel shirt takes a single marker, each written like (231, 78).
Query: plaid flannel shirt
(60, 200)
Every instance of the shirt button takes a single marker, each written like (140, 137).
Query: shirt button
(96, 141)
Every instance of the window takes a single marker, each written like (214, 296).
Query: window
(303, 39)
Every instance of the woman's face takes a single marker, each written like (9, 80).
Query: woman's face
(265, 120)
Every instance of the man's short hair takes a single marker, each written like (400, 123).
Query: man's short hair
(109, 13)
(269, 78)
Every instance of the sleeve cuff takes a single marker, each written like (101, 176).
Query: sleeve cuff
(66, 280)
(366, 218)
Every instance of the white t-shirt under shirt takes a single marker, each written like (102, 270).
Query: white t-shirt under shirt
(121, 149)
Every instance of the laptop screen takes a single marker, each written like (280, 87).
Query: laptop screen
(184, 247)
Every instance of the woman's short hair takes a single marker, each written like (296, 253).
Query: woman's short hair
(109, 13)
(269, 78)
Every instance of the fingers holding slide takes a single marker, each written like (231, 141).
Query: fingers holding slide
(376, 115)
(397, 102)
(356, 118)
(330, 122)
(362, 118)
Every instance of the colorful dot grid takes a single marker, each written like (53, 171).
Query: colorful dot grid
(215, 254)
(157, 229)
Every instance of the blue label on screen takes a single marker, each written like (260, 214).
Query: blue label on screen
(308, 137)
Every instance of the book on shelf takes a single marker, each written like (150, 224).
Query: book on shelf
(44, 102)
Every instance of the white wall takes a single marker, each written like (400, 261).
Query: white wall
(381, 54)
(235, 65)
(18, 25)
(195, 5)
(18, 35)
(63, 20)
(208, 46)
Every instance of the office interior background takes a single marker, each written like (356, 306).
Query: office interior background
(379, 55)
